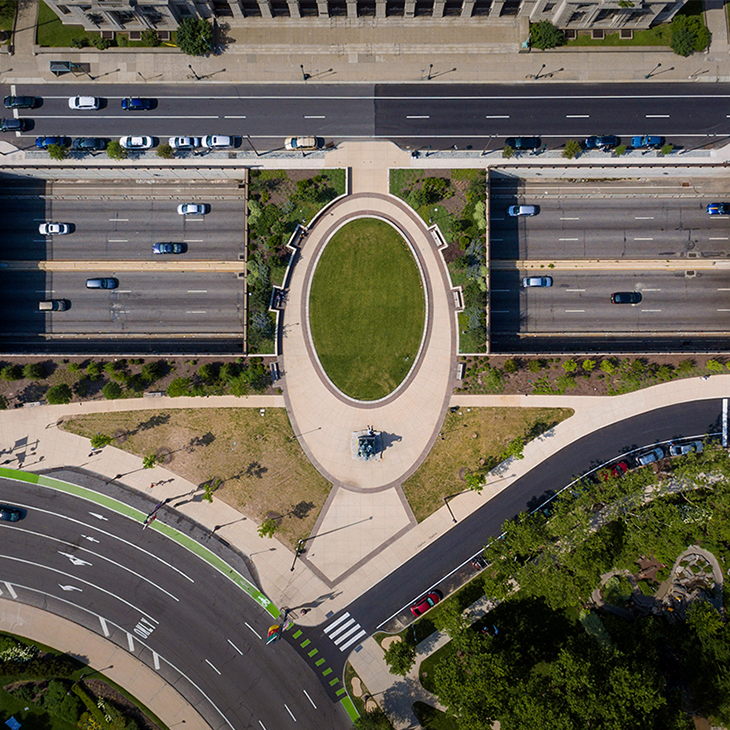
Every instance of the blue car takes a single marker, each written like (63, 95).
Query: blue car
(640, 142)
(135, 104)
(718, 208)
(45, 142)
(605, 142)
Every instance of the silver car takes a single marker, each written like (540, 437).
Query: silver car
(650, 457)
(530, 281)
(696, 447)
(516, 211)
(184, 143)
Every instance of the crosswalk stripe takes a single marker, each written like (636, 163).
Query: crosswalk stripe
(342, 628)
(340, 639)
(354, 639)
(339, 620)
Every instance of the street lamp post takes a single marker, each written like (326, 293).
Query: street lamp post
(537, 75)
(448, 507)
(305, 76)
(192, 70)
(430, 68)
(652, 71)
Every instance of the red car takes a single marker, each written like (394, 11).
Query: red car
(428, 601)
(615, 472)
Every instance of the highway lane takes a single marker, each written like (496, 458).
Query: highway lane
(164, 600)
(411, 114)
(580, 302)
(643, 227)
(392, 595)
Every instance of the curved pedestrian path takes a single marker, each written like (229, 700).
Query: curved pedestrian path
(411, 416)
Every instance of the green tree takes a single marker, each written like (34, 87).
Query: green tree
(572, 149)
(100, 440)
(150, 461)
(510, 365)
(667, 149)
(93, 370)
(268, 527)
(11, 372)
(179, 387)
(115, 151)
(475, 481)
(152, 371)
(209, 488)
(545, 35)
(34, 371)
(56, 152)
(194, 36)
(208, 373)
(59, 394)
(507, 152)
(165, 152)
(112, 391)
(400, 657)
(150, 38)
(689, 34)
(620, 150)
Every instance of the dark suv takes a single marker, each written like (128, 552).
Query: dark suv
(135, 104)
(20, 102)
(523, 143)
(89, 144)
(13, 125)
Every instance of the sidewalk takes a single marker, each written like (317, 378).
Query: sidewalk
(335, 52)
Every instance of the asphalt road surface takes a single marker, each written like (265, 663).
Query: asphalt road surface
(411, 115)
(163, 604)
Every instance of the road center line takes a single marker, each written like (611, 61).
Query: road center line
(197, 291)
(290, 712)
(643, 217)
(657, 116)
(575, 290)
(315, 116)
(196, 311)
(235, 647)
(652, 289)
(723, 310)
(214, 669)
(568, 239)
(651, 310)
(119, 220)
(569, 219)
(309, 698)
(643, 239)
(253, 629)
(574, 311)
(118, 240)
(724, 289)
(503, 116)
(233, 116)
(418, 116)
(577, 116)
(717, 238)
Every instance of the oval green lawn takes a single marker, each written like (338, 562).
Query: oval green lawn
(367, 309)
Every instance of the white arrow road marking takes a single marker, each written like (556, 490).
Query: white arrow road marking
(73, 558)
(99, 517)
(70, 588)
(89, 538)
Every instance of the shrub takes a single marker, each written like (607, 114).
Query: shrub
(545, 35)
(56, 152)
(112, 391)
(93, 370)
(535, 366)
(507, 152)
(194, 36)
(609, 367)
(34, 371)
(11, 372)
(667, 149)
(59, 394)
(100, 440)
(74, 367)
(152, 371)
(208, 373)
(715, 366)
(150, 38)
(510, 365)
(122, 40)
(179, 387)
(572, 149)
(570, 366)
(115, 151)
(165, 152)
(588, 365)
(80, 42)
(620, 150)
(229, 370)
(686, 367)
(101, 43)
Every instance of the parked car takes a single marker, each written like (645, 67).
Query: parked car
(89, 144)
(640, 142)
(44, 143)
(616, 471)
(692, 447)
(164, 248)
(136, 104)
(718, 208)
(626, 297)
(83, 103)
(54, 305)
(105, 282)
(428, 601)
(530, 281)
(13, 125)
(20, 102)
(217, 141)
(54, 229)
(604, 142)
(517, 211)
(523, 143)
(184, 143)
(193, 208)
(303, 143)
(10, 514)
(649, 457)
(136, 143)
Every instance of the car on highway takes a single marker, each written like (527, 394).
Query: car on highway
(537, 281)
(523, 143)
(89, 144)
(649, 457)
(193, 208)
(54, 229)
(54, 305)
(217, 141)
(691, 447)
(626, 297)
(165, 248)
(516, 211)
(718, 208)
(640, 142)
(603, 142)
(102, 282)
(428, 601)
(184, 143)
(20, 102)
(83, 103)
(615, 472)
(303, 143)
(44, 143)
(136, 142)
(13, 125)
(10, 514)
(137, 104)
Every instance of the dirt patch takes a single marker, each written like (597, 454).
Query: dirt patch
(262, 471)
(456, 451)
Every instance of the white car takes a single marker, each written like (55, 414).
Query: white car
(303, 143)
(54, 229)
(217, 141)
(137, 143)
(193, 208)
(184, 143)
(83, 103)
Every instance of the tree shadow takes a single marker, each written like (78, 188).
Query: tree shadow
(255, 469)
(300, 510)
(205, 440)
(152, 422)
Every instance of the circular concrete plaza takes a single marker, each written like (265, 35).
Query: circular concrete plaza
(409, 417)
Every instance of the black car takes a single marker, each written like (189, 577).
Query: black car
(523, 143)
(626, 297)
(13, 125)
(89, 144)
(20, 102)
(103, 282)
(135, 104)
(10, 514)
(605, 142)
